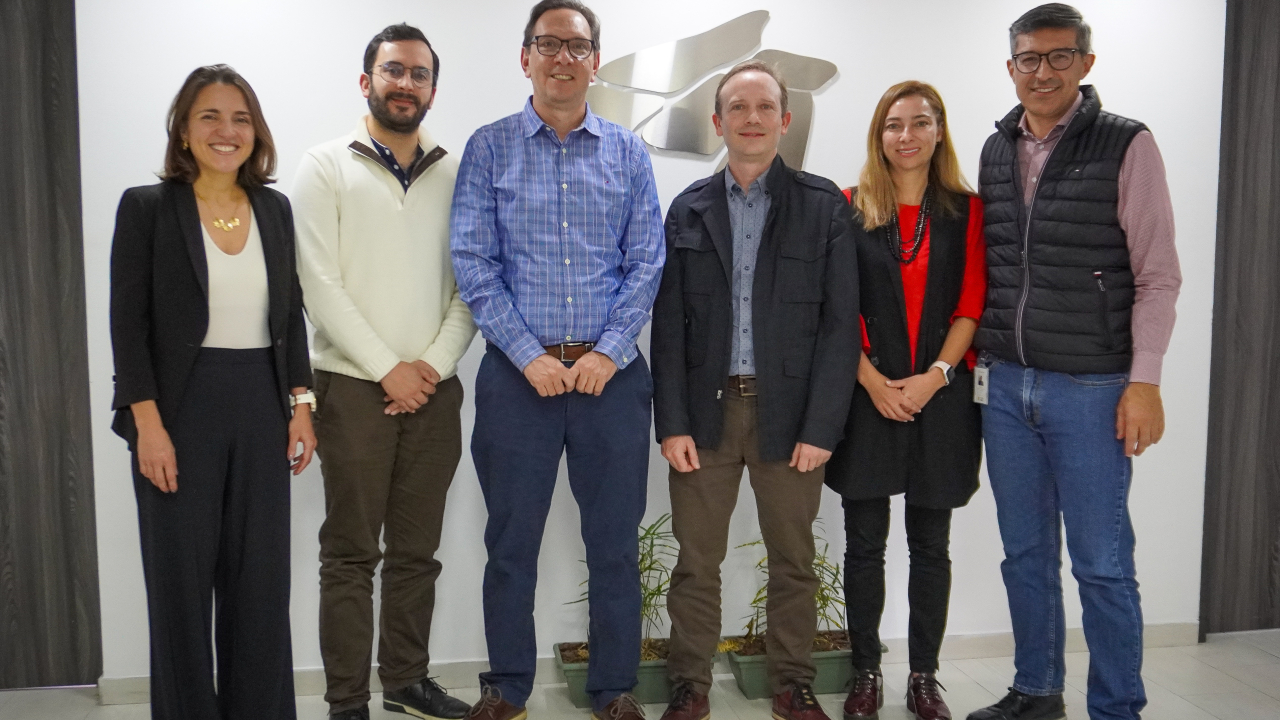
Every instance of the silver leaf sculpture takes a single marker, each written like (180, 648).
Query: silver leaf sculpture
(672, 66)
(630, 88)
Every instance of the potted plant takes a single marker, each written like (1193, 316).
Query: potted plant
(657, 548)
(831, 652)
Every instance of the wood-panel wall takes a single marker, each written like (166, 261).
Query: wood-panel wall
(1240, 577)
(50, 627)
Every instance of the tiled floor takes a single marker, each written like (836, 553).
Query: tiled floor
(1231, 677)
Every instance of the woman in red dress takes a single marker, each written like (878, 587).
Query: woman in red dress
(913, 427)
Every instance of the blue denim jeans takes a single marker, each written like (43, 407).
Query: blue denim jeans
(517, 443)
(1055, 462)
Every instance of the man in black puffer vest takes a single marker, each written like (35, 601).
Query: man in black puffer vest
(1083, 277)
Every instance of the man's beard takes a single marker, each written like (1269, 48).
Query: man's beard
(391, 121)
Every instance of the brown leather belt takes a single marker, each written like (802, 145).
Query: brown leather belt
(569, 352)
(743, 385)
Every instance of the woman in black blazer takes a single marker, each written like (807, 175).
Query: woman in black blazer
(211, 357)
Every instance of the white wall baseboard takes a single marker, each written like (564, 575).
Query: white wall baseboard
(310, 681)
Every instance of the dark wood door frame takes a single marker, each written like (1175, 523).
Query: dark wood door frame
(50, 626)
(1240, 571)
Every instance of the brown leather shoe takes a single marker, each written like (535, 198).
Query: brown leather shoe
(924, 699)
(491, 706)
(867, 696)
(687, 704)
(798, 703)
(623, 707)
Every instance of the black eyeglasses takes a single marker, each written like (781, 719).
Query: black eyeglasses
(394, 72)
(1060, 59)
(549, 45)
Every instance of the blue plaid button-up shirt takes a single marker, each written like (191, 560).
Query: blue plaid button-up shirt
(557, 242)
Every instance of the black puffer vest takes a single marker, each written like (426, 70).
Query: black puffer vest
(1060, 289)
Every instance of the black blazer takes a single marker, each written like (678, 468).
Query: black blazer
(160, 297)
(935, 459)
(804, 315)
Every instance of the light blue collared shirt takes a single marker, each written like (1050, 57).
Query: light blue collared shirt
(747, 213)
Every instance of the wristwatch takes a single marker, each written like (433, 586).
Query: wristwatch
(948, 372)
(307, 397)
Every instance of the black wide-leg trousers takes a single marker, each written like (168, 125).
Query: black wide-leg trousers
(215, 553)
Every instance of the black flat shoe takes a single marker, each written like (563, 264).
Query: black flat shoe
(1017, 706)
(425, 699)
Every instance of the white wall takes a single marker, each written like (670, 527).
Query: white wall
(1158, 61)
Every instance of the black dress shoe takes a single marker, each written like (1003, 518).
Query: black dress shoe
(360, 713)
(425, 699)
(1017, 706)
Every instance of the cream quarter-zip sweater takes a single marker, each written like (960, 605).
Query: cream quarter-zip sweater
(374, 261)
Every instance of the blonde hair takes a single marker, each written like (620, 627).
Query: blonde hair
(876, 198)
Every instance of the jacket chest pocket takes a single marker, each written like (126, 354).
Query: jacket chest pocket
(699, 264)
(800, 268)
(801, 265)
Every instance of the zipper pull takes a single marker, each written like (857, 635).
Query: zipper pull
(1098, 277)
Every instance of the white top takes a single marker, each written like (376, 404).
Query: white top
(374, 262)
(237, 294)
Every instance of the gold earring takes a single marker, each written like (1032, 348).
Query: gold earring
(184, 144)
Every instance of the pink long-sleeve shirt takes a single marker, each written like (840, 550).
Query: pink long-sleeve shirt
(1146, 216)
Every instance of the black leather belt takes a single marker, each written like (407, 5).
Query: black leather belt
(743, 385)
(569, 352)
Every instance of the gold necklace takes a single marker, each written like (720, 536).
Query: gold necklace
(219, 223)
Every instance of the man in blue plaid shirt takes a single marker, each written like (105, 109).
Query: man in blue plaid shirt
(557, 247)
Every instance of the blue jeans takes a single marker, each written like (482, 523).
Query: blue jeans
(1052, 453)
(517, 443)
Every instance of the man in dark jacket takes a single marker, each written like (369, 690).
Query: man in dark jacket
(755, 349)
(1080, 307)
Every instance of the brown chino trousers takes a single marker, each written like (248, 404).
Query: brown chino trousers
(702, 502)
(384, 475)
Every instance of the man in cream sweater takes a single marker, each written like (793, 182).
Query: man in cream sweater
(372, 216)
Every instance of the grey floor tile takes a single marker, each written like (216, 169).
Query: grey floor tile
(965, 696)
(1246, 705)
(1076, 702)
(313, 707)
(1268, 640)
(1185, 675)
(741, 707)
(1164, 704)
(552, 701)
(1224, 651)
(1263, 678)
(50, 704)
(720, 703)
(143, 712)
(994, 681)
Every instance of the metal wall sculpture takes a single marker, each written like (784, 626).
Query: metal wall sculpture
(635, 90)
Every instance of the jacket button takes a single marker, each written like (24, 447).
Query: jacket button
(279, 343)
(875, 361)
(871, 321)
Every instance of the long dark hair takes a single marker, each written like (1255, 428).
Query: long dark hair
(180, 165)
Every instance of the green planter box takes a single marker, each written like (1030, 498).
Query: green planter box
(835, 671)
(653, 687)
